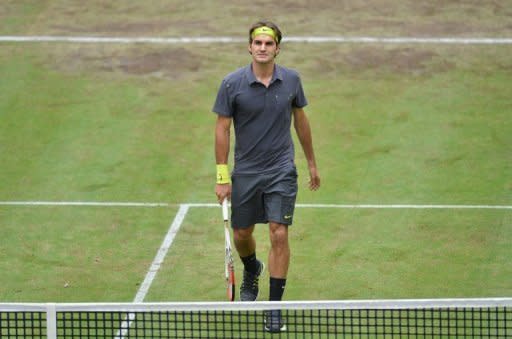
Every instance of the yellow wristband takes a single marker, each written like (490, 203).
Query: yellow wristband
(223, 174)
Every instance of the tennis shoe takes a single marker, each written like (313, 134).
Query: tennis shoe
(249, 289)
(274, 321)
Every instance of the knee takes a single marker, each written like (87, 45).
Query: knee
(278, 234)
(242, 234)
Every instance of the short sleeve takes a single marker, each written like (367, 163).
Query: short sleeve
(300, 98)
(224, 102)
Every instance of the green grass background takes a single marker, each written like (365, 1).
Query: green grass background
(392, 124)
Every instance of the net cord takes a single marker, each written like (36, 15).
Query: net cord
(259, 305)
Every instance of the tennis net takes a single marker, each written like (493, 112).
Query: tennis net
(421, 318)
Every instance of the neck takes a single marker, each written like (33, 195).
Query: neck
(263, 72)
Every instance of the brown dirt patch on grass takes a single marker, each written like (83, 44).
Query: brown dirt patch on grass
(396, 60)
(168, 62)
(400, 60)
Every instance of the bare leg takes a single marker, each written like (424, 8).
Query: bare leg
(279, 255)
(244, 241)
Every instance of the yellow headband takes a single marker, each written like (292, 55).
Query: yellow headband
(264, 30)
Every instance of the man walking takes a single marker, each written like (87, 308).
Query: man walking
(262, 100)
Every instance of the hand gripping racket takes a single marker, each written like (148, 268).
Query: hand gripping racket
(228, 258)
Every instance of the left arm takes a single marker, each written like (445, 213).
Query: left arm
(303, 129)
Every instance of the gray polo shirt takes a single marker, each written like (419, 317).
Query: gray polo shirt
(262, 117)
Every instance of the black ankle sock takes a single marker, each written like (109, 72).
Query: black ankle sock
(276, 288)
(250, 263)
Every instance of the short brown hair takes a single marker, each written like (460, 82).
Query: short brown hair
(269, 24)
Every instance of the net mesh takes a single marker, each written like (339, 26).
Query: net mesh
(22, 324)
(247, 320)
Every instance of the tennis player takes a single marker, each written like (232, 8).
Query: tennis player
(261, 100)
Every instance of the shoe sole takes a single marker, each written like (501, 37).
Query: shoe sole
(282, 329)
(268, 329)
(275, 320)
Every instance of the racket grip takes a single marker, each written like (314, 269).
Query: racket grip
(225, 209)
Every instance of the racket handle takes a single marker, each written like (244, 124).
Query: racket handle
(225, 209)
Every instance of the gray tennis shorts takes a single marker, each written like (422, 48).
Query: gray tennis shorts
(260, 198)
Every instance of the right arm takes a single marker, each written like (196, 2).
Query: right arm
(222, 139)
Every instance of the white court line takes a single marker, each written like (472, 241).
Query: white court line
(163, 204)
(86, 203)
(162, 252)
(405, 206)
(155, 267)
(227, 39)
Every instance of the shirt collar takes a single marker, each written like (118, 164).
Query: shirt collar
(277, 75)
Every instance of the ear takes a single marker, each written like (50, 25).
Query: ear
(249, 49)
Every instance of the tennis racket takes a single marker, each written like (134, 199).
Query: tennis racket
(229, 267)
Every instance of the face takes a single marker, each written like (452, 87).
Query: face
(263, 49)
